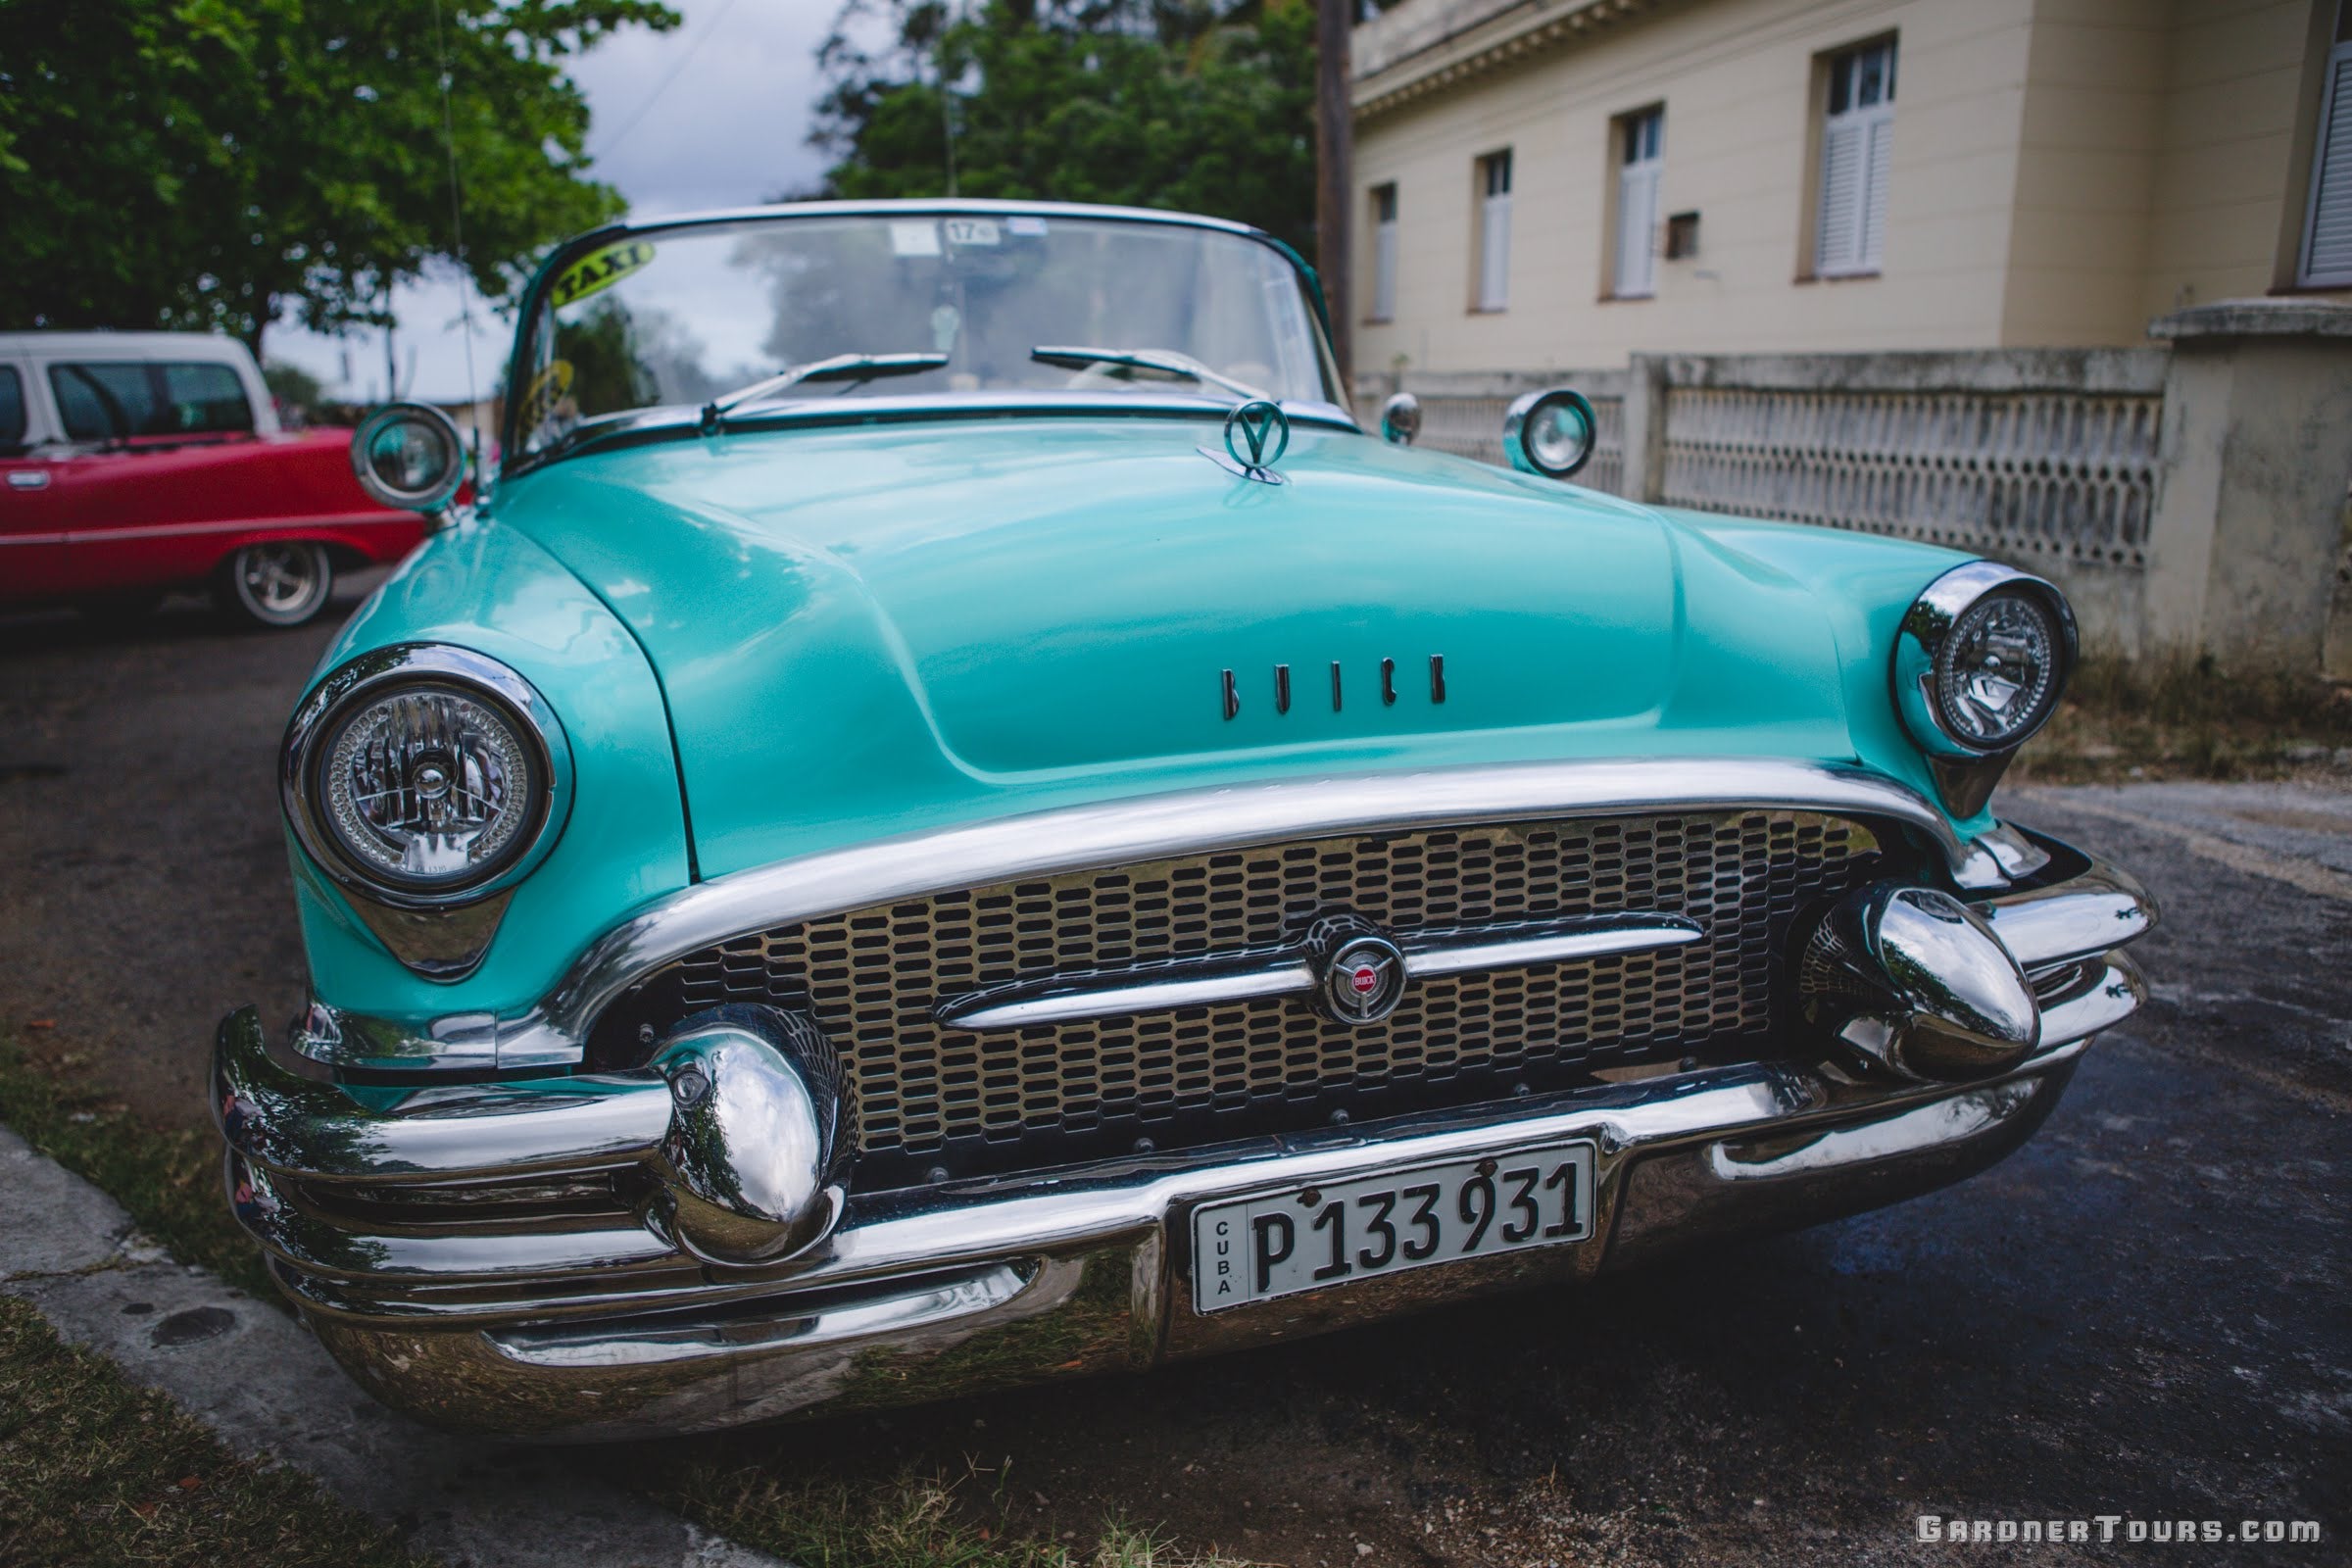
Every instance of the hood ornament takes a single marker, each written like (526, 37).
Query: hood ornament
(1256, 435)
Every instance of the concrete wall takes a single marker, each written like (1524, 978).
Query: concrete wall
(2234, 162)
(2257, 452)
(2062, 170)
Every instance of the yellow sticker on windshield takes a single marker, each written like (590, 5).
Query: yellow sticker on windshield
(547, 389)
(599, 270)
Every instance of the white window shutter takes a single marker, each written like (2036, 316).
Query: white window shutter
(1636, 228)
(1838, 237)
(1384, 270)
(1857, 153)
(1871, 248)
(1494, 255)
(2327, 244)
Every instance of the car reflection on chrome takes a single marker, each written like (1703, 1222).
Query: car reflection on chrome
(951, 820)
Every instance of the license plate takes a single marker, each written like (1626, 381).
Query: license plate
(1256, 1248)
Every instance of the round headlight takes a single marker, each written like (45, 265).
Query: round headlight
(1998, 671)
(428, 787)
(1983, 656)
(1550, 433)
(409, 457)
(424, 775)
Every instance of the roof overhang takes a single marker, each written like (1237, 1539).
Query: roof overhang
(1429, 47)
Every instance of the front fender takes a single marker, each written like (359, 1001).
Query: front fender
(1860, 586)
(492, 590)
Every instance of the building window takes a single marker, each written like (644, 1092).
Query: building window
(1640, 146)
(1384, 253)
(1857, 140)
(2327, 225)
(1494, 231)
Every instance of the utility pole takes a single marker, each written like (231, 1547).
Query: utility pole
(1335, 137)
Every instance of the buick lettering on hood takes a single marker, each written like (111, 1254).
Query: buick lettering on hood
(949, 817)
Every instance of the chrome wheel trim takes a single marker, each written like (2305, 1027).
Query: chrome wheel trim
(281, 583)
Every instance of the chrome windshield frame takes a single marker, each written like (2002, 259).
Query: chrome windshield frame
(513, 462)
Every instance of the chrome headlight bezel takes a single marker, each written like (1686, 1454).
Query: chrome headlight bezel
(1926, 628)
(1521, 420)
(382, 672)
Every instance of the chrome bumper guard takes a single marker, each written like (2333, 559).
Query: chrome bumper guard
(581, 1322)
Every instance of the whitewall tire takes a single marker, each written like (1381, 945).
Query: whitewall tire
(285, 582)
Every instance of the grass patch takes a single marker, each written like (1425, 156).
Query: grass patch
(912, 1521)
(169, 1178)
(93, 1470)
(2183, 719)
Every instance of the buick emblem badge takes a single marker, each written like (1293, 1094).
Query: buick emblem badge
(1359, 973)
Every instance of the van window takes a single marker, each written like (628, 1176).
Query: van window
(101, 401)
(204, 397)
(108, 400)
(12, 410)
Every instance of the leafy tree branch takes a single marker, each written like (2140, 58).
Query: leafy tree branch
(1189, 104)
(204, 163)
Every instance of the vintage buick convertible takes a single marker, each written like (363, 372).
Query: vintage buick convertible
(951, 819)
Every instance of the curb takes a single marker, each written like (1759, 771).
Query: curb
(255, 1377)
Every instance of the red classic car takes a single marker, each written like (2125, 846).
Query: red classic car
(131, 463)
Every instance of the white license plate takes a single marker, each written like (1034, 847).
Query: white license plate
(1256, 1248)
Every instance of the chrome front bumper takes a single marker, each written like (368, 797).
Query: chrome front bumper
(594, 1328)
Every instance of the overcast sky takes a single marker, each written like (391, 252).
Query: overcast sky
(714, 112)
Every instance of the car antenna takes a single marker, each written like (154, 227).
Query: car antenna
(946, 99)
(456, 235)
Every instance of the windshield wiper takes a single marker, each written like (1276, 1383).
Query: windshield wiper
(1167, 362)
(840, 368)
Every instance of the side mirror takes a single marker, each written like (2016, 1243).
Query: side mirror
(1400, 419)
(409, 457)
(1550, 433)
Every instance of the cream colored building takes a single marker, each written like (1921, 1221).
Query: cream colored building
(1559, 183)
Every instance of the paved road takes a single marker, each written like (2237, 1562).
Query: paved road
(2144, 1313)
(143, 887)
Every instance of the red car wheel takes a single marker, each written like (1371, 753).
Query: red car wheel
(282, 583)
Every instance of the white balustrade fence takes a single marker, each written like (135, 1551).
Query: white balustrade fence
(2045, 459)
(2058, 476)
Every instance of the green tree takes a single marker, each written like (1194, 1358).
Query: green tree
(1207, 107)
(204, 163)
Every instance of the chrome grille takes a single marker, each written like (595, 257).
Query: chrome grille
(872, 976)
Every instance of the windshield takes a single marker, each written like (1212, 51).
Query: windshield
(961, 303)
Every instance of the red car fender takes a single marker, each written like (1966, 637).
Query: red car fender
(149, 515)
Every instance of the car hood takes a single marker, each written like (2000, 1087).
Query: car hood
(864, 628)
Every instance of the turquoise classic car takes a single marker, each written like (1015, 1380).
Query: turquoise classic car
(950, 818)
